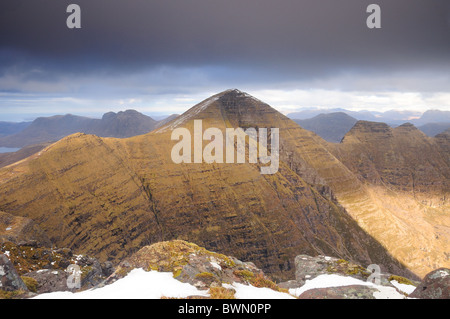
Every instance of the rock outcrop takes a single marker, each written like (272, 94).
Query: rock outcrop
(21, 229)
(193, 264)
(10, 280)
(435, 285)
(49, 269)
(218, 275)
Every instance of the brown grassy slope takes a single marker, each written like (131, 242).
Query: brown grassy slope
(20, 229)
(13, 157)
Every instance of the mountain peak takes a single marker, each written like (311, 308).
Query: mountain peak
(367, 130)
(236, 94)
(231, 101)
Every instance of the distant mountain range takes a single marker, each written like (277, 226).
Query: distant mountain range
(9, 128)
(332, 126)
(392, 117)
(45, 129)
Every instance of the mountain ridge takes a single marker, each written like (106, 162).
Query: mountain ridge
(132, 194)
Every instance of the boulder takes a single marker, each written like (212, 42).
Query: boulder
(11, 284)
(193, 264)
(344, 292)
(435, 285)
(307, 268)
(49, 280)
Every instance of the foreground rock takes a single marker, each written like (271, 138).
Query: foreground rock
(195, 265)
(360, 282)
(436, 285)
(47, 270)
(307, 267)
(344, 292)
(11, 285)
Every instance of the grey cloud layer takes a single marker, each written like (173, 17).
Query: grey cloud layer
(158, 51)
(309, 34)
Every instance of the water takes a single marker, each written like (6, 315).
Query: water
(8, 149)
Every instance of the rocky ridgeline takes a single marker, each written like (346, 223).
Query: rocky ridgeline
(27, 270)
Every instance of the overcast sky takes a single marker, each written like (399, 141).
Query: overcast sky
(165, 56)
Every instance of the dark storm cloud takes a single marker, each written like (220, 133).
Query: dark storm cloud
(292, 36)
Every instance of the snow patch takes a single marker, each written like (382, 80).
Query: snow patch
(215, 265)
(251, 292)
(138, 284)
(408, 289)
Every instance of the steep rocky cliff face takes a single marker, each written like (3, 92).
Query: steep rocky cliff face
(407, 177)
(109, 197)
(404, 158)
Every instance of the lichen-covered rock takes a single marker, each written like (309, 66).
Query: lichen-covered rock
(50, 280)
(10, 282)
(49, 267)
(9, 278)
(307, 268)
(193, 264)
(344, 292)
(435, 285)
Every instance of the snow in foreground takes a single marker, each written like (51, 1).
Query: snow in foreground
(140, 284)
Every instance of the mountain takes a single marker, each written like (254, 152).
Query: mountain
(331, 126)
(123, 124)
(310, 113)
(434, 116)
(9, 128)
(45, 129)
(407, 175)
(109, 197)
(402, 157)
(392, 117)
(433, 129)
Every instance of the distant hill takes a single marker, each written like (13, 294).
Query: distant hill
(431, 122)
(331, 127)
(433, 116)
(433, 129)
(44, 129)
(9, 128)
(392, 117)
(310, 113)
